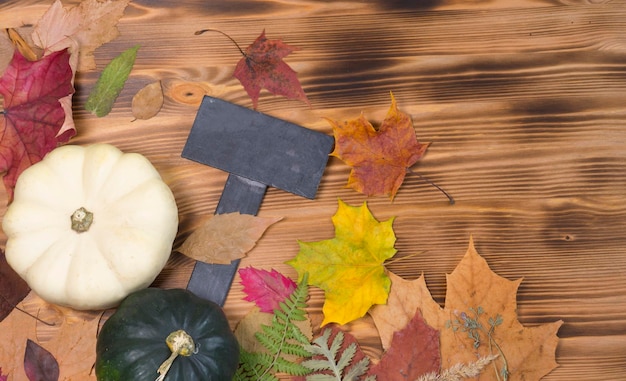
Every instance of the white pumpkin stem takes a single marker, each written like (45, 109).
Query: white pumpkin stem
(81, 220)
(180, 343)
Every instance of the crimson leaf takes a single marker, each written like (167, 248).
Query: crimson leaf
(267, 289)
(32, 116)
(263, 67)
(39, 364)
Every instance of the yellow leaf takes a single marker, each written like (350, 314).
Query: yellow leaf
(225, 237)
(475, 296)
(349, 268)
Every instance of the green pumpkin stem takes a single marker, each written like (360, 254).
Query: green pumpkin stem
(180, 343)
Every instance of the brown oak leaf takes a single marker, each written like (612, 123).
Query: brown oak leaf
(479, 319)
(379, 157)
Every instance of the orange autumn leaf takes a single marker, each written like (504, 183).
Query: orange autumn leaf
(379, 157)
(479, 319)
(225, 237)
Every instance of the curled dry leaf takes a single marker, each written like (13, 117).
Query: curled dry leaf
(148, 101)
(225, 237)
(85, 27)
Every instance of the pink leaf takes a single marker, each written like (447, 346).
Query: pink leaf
(33, 116)
(3, 377)
(39, 364)
(266, 289)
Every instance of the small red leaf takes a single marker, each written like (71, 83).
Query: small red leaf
(12, 288)
(39, 364)
(3, 377)
(32, 116)
(414, 351)
(263, 67)
(266, 289)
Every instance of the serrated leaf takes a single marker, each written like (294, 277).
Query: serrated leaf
(414, 352)
(267, 289)
(349, 268)
(111, 83)
(225, 237)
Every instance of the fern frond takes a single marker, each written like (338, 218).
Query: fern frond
(321, 347)
(282, 337)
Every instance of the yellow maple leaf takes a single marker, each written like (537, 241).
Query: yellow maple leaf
(479, 319)
(349, 268)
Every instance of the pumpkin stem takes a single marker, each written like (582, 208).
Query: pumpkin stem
(180, 343)
(81, 220)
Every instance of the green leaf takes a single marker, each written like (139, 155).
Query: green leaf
(111, 83)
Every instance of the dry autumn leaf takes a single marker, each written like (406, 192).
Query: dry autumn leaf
(148, 101)
(225, 237)
(74, 347)
(413, 353)
(349, 268)
(262, 66)
(379, 157)
(84, 27)
(33, 119)
(15, 330)
(479, 320)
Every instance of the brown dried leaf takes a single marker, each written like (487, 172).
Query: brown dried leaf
(21, 45)
(14, 332)
(471, 287)
(148, 101)
(74, 347)
(225, 237)
(85, 26)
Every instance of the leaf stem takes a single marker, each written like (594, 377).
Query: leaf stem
(440, 189)
(27, 313)
(199, 32)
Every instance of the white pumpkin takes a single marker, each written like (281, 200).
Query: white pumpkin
(89, 225)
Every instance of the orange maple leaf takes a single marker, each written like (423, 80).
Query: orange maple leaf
(379, 157)
(479, 319)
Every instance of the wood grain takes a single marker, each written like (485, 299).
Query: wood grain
(523, 102)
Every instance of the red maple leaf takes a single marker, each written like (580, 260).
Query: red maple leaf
(263, 67)
(267, 289)
(32, 116)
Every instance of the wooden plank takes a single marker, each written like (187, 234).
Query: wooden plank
(522, 101)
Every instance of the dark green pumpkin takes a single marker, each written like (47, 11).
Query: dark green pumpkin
(131, 344)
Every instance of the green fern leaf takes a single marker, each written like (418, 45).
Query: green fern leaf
(281, 338)
(329, 362)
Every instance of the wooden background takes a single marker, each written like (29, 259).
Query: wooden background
(524, 103)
